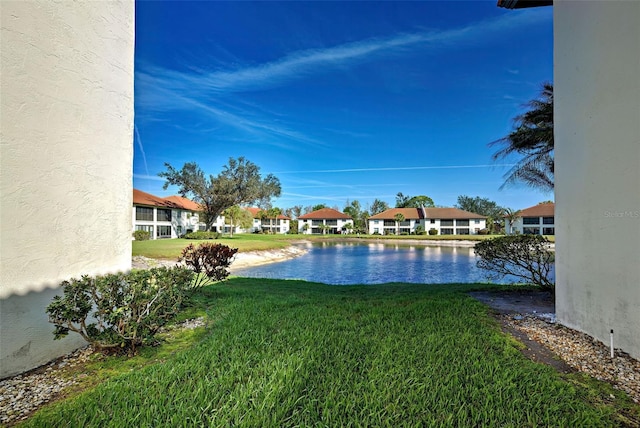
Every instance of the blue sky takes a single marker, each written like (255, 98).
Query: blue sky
(340, 100)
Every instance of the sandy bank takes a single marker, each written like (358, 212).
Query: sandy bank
(255, 258)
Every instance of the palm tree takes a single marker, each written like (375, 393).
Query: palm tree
(398, 218)
(511, 216)
(533, 139)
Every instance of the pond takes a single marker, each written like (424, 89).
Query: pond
(342, 263)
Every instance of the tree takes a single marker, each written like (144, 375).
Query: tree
(399, 218)
(271, 214)
(511, 216)
(354, 209)
(522, 256)
(485, 207)
(238, 183)
(293, 212)
(532, 139)
(403, 201)
(318, 207)
(378, 206)
(237, 216)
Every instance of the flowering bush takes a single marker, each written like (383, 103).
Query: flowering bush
(210, 262)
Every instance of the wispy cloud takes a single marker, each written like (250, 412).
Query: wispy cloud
(141, 147)
(202, 91)
(399, 168)
(148, 177)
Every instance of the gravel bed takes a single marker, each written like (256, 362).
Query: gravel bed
(582, 352)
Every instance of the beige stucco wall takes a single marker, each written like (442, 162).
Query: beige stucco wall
(597, 140)
(65, 161)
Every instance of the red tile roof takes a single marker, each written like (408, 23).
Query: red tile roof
(187, 204)
(435, 213)
(408, 213)
(255, 213)
(175, 202)
(540, 210)
(325, 213)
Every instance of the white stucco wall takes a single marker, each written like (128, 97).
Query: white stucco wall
(66, 161)
(597, 145)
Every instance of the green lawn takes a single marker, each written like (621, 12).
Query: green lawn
(292, 353)
(171, 248)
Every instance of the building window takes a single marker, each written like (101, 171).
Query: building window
(549, 231)
(462, 222)
(144, 213)
(548, 220)
(202, 227)
(433, 221)
(476, 221)
(531, 220)
(446, 231)
(376, 230)
(332, 222)
(446, 222)
(531, 230)
(390, 223)
(164, 215)
(375, 221)
(145, 228)
(462, 231)
(179, 230)
(164, 232)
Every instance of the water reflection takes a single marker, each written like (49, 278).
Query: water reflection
(375, 263)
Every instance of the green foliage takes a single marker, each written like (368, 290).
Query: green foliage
(128, 309)
(523, 256)
(237, 216)
(433, 231)
(141, 235)
(210, 262)
(406, 201)
(201, 234)
(378, 206)
(238, 183)
(532, 139)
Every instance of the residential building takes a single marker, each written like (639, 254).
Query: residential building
(324, 221)
(169, 217)
(536, 220)
(597, 158)
(280, 224)
(446, 221)
(66, 156)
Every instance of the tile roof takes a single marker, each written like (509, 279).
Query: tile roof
(540, 210)
(175, 202)
(185, 203)
(435, 213)
(408, 213)
(255, 213)
(325, 213)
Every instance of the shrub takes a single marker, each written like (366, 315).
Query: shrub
(208, 261)
(433, 231)
(523, 256)
(129, 309)
(201, 234)
(483, 232)
(142, 235)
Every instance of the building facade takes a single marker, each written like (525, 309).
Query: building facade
(597, 149)
(166, 218)
(445, 221)
(66, 156)
(325, 221)
(536, 220)
(266, 224)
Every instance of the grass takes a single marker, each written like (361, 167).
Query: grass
(171, 248)
(291, 353)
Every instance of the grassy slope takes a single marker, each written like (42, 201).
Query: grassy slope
(292, 353)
